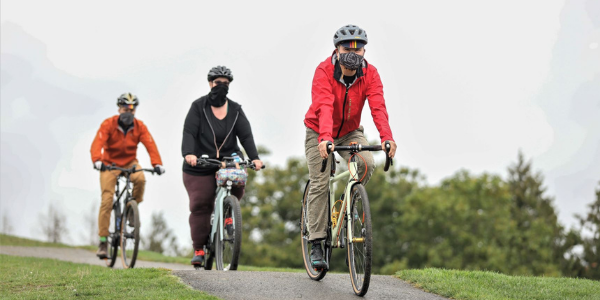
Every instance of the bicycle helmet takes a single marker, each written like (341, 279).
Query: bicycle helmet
(128, 99)
(350, 33)
(220, 71)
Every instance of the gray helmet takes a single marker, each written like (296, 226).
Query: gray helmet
(128, 99)
(350, 33)
(220, 71)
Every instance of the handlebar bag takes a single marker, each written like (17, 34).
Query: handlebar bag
(237, 177)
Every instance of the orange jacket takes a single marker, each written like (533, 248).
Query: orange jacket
(119, 148)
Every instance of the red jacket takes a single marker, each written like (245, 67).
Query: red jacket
(121, 148)
(335, 111)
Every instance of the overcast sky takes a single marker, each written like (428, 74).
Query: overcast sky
(467, 85)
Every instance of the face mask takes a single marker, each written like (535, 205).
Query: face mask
(126, 118)
(351, 60)
(217, 94)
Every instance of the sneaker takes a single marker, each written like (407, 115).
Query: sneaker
(198, 258)
(316, 256)
(229, 226)
(102, 252)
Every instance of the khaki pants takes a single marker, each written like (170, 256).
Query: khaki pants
(319, 182)
(108, 179)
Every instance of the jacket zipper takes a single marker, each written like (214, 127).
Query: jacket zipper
(213, 131)
(343, 112)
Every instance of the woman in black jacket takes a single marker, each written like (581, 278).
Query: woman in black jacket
(212, 127)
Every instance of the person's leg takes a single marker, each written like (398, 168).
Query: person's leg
(319, 187)
(358, 136)
(139, 182)
(108, 179)
(201, 190)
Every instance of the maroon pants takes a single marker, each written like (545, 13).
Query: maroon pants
(201, 190)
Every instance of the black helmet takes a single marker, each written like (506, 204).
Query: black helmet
(220, 71)
(350, 33)
(128, 99)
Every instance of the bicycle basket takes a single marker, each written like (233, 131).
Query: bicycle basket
(237, 177)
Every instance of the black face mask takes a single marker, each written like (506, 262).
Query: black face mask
(351, 60)
(217, 94)
(126, 119)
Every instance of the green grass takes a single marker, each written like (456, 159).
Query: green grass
(8, 240)
(490, 285)
(41, 278)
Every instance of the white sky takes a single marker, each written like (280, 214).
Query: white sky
(467, 84)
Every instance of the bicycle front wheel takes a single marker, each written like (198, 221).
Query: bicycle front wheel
(228, 249)
(312, 273)
(359, 245)
(130, 234)
(113, 239)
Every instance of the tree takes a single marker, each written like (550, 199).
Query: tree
(590, 224)
(161, 238)
(6, 227)
(53, 225)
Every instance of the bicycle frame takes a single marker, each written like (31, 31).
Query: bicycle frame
(221, 194)
(336, 239)
(127, 191)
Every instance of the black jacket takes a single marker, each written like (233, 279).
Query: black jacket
(199, 138)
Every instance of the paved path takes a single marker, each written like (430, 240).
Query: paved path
(247, 284)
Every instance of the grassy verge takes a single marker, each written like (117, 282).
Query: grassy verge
(489, 285)
(8, 240)
(41, 278)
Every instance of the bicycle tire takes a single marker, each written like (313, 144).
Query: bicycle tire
(360, 257)
(112, 248)
(228, 250)
(130, 234)
(312, 273)
(210, 254)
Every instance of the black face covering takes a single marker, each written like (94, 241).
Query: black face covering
(126, 119)
(217, 94)
(351, 60)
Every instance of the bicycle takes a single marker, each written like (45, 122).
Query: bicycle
(126, 230)
(356, 233)
(224, 243)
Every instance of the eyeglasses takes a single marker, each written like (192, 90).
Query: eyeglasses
(221, 82)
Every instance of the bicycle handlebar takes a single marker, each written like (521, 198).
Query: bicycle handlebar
(227, 163)
(355, 148)
(130, 170)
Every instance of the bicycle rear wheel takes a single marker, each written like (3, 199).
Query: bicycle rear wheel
(130, 234)
(228, 249)
(312, 273)
(360, 245)
(112, 248)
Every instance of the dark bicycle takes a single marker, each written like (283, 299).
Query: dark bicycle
(125, 219)
(225, 239)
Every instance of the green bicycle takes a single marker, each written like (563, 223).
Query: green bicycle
(349, 223)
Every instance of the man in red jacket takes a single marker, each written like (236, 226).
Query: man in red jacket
(116, 142)
(341, 86)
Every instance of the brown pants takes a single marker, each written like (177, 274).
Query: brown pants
(319, 182)
(201, 190)
(108, 179)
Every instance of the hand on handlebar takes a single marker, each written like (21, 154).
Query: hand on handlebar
(323, 149)
(258, 164)
(99, 166)
(392, 150)
(159, 169)
(191, 159)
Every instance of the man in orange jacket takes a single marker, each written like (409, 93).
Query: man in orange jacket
(116, 143)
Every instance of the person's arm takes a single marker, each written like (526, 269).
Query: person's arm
(148, 141)
(322, 100)
(244, 134)
(190, 132)
(377, 105)
(100, 140)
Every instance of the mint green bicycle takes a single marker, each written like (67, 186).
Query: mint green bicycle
(349, 223)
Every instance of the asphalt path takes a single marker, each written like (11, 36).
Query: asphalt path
(247, 284)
